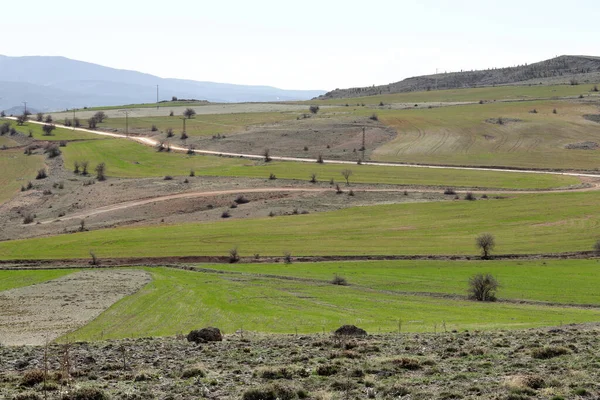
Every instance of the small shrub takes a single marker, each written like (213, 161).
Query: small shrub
(410, 364)
(313, 178)
(41, 174)
(287, 258)
(470, 196)
(555, 111)
(484, 196)
(233, 205)
(374, 117)
(168, 178)
(327, 370)
(94, 260)
(271, 214)
(545, 353)
(184, 136)
(241, 200)
(62, 143)
(32, 377)
(154, 129)
(320, 159)
(314, 109)
(595, 88)
(272, 177)
(234, 256)
(449, 191)
(351, 192)
(381, 104)
(225, 214)
(486, 243)
(100, 171)
(305, 148)
(534, 111)
(193, 372)
(171, 114)
(267, 155)
(28, 219)
(48, 129)
(483, 287)
(86, 393)
(338, 190)
(53, 151)
(339, 280)
(596, 245)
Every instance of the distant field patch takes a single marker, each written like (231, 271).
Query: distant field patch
(57, 134)
(540, 223)
(15, 279)
(127, 159)
(17, 169)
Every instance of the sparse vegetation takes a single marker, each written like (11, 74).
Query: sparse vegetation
(347, 173)
(314, 109)
(101, 172)
(189, 113)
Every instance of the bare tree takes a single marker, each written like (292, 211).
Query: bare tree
(486, 243)
(347, 173)
(48, 119)
(101, 171)
(39, 117)
(100, 116)
(21, 119)
(189, 113)
(92, 123)
(483, 287)
(267, 155)
(84, 167)
(48, 128)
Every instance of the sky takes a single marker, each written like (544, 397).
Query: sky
(305, 44)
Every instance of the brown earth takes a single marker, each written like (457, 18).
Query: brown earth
(39, 313)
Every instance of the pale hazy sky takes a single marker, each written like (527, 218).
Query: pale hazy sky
(304, 44)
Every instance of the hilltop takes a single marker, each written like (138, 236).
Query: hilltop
(559, 70)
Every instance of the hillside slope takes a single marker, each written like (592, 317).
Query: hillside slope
(563, 69)
(56, 83)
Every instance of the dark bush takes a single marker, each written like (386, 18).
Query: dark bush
(32, 377)
(234, 256)
(483, 287)
(168, 178)
(154, 129)
(100, 116)
(92, 123)
(339, 280)
(313, 178)
(320, 159)
(470, 196)
(204, 335)
(193, 372)
(272, 177)
(225, 214)
(41, 174)
(327, 370)
(241, 200)
(449, 191)
(48, 129)
(287, 258)
(189, 113)
(53, 151)
(101, 171)
(314, 109)
(486, 243)
(267, 155)
(28, 219)
(86, 393)
(374, 117)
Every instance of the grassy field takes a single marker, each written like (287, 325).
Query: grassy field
(540, 223)
(151, 105)
(132, 160)
(200, 125)
(555, 281)
(17, 169)
(16, 279)
(463, 135)
(57, 134)
(466, 95)
(178, 301)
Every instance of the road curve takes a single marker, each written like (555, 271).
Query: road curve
(154, 143)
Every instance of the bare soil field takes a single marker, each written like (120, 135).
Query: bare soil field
(555, 363)
(333, 137)
(43, 312)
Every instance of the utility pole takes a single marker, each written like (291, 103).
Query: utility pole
(436, 79)
(25, 112)
(363, 144)
(183, 124)
(157, 97)
(126, 112)
(73, 125)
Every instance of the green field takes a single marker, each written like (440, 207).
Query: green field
(16, 279)
(468, 95)
(132, 160)
(17, 169)
(151, 105)
(535, 223)
(462, 135)
(57, 135)
(554, 281)
(178, 301)
(200, 125)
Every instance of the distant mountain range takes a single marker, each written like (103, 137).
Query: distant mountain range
(559, 70)
(58, 83)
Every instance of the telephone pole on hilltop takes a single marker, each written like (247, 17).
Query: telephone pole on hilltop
(126, 112)
(157, 104)
(25, 112)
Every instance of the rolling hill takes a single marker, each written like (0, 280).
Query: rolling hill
(57, 83)
(563, 69)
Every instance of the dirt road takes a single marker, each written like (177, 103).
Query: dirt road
(154, 143)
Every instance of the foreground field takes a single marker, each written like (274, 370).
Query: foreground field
(534, 223)
(177, 301)
(542, 364)
(17, 169)
(132, 160)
